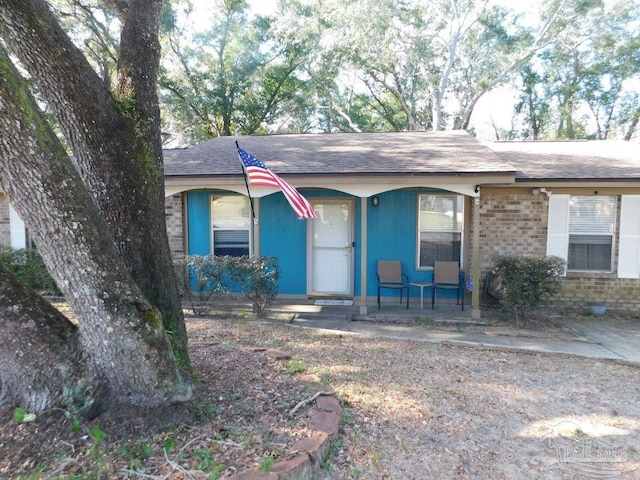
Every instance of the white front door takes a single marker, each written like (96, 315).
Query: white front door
(330, 247)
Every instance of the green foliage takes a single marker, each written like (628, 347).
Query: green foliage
(169, 445)
(136, 455)
(20, 415)
(295, 366)
(348, 416)
(208, 410)
(75, 421)
(266, 464)
(256, 277)
(208, 464)
(199, 277)
(27, 265)
(233, 77)
(336, 446)
(98, 435)
(127, 107)
(525, 280)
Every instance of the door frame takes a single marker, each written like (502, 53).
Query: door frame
(351, 232)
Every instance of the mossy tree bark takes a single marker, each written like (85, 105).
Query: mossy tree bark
(97, 217)
(54, 373)
(115, 136)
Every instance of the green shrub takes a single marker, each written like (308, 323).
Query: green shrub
(199, 277)
(257, 278)
(27, 265)
(525, 280)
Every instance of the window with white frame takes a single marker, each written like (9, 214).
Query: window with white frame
(440, 221)
(230, 225)
(592, 221)
(582, 230)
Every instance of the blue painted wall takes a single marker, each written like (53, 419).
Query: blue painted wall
(199, 222)
(284, 236)
(392, 235)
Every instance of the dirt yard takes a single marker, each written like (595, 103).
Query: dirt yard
(411, 411)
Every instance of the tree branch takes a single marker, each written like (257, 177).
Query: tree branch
(308, 400)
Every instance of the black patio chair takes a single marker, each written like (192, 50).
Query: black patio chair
(446, 276)
(390, 276)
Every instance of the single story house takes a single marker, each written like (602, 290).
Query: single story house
(416, 197)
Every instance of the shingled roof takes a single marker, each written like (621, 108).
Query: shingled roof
(572, 160)
(357, 154)
(410, 153)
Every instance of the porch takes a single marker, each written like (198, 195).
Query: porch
(332, 310)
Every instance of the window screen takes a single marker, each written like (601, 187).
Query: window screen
(591, 228)
(440, 220)
(231, 225)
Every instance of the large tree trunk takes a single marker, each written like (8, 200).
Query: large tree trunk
(121, 336)
(115, 141)
(55, 373)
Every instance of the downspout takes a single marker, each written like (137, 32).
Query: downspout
(475, 274)
(363, 256)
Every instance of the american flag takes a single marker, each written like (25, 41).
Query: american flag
(260, 175)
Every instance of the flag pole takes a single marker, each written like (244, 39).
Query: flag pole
(246, 182)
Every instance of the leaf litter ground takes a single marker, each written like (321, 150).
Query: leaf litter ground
(411, 411)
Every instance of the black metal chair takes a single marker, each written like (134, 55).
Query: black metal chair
(390, 276)
(446, 276)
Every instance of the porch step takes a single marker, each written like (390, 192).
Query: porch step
(320, 317)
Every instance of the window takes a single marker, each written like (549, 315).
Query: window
(592, 222)
(581, 230)
(231, 225)
(440, 220)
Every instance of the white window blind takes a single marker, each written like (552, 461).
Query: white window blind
(595, 215)
(629, 253)
(440, 224)
(231, 225)
(231, 211)
(592, 221)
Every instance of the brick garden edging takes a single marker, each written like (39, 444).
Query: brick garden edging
(324, 421)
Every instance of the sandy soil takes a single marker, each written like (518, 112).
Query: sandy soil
(411, 411)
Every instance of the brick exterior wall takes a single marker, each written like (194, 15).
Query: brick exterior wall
(579, 289)
(514, 222)
(174, 214)
(511, 223)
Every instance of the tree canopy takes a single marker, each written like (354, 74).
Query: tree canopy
(379, 65)
(388, 65)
